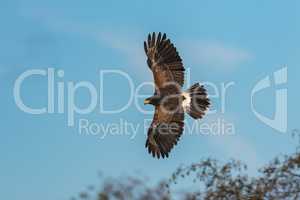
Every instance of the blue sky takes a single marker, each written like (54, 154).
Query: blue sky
(220, 42)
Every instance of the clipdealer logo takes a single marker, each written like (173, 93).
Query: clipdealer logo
(61, 99)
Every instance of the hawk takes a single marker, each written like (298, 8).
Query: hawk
(169, 100)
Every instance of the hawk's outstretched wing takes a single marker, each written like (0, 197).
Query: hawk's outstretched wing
(164, 131)
(164, 61)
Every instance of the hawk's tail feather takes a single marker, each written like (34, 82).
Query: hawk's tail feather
(196, 101)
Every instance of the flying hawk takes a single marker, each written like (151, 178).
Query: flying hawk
(169, 100)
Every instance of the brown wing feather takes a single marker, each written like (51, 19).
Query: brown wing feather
(164, 60)
(166, 128)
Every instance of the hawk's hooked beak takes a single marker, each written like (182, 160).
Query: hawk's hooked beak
(146, 101)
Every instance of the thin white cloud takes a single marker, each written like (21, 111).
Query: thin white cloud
(128, 44)
(215, 54)
(129, 41)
